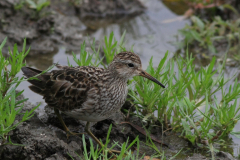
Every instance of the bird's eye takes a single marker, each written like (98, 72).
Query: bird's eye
(130, 65)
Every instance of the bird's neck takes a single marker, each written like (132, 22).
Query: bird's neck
(114, 77)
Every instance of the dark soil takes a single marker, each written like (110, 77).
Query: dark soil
(61, 24)
(43, 137)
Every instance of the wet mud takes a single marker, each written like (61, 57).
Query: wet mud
(60, 24)
(43, 137)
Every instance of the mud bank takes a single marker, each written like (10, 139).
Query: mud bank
(42, 137)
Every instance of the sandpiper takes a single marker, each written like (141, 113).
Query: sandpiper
(88, 93)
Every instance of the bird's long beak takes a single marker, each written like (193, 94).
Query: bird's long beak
(148, 76)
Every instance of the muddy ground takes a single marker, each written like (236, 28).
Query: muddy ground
(43, 137)
(60, 24)
(65, 24)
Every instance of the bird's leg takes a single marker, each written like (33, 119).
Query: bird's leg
(87, 129)
(69, 133)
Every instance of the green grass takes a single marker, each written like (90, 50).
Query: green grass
(206, 35)
(36, 5)
(9, 107)
(111, 48)
(101, 153)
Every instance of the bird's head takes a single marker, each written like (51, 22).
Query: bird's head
(127, 65)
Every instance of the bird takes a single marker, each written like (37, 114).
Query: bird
(87, 93)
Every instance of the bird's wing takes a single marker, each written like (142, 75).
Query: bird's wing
(67, 88)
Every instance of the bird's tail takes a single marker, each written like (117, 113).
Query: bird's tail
(37, 85)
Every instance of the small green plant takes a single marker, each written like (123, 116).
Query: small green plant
(9, 106)
(112, 47)
(209, 35)
(147, 94)
(86, 59)
(101, 153)
(38, 5)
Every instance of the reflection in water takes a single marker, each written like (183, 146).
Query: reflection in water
(96, 23)
(178, 7)
(41, 62)
(146, 32)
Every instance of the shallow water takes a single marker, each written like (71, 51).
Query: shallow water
(149, 35)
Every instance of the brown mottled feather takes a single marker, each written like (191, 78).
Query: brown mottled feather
(65, 89)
